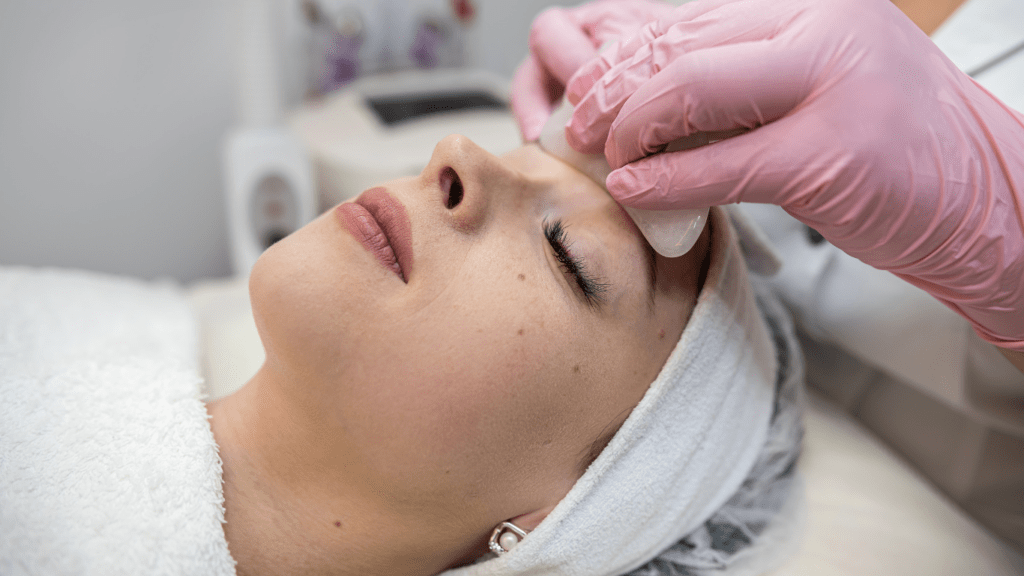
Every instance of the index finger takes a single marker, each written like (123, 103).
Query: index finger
(534, 93)
(559, 44)
(590, 72)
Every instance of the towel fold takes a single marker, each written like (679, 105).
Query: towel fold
(684, 450)
(108, 465)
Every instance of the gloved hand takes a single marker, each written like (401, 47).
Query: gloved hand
(861, 128)
(562, 40)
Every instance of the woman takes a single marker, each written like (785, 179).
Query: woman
(449, 352)
(507, 291)
(483, 360)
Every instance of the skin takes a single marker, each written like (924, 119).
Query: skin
(928, 14)
(394, 424)
(1015, 357)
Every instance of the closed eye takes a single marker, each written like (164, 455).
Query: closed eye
(591, 287)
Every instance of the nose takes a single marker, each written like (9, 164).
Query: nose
(470, 182)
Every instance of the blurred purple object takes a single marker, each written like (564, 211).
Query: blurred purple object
(427, 44)
(337, 39)
(341, 60)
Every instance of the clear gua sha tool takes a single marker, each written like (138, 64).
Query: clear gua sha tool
(670, 232)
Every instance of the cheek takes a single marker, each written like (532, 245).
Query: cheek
(477, 384)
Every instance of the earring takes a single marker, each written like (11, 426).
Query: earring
(505, 537)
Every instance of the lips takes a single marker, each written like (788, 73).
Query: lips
(381, 224)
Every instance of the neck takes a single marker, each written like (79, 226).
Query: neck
(283, 517)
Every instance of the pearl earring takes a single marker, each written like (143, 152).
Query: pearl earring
(505, 537)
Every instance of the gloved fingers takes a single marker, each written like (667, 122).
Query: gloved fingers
(698, 19)
(595, 111)
(723, 88)
(779, 163)
(559, 44)
(534, 93)
(610, 57)
(723, 11)
(613, 20)
(557, 48)
(589, 73)
(598, 107)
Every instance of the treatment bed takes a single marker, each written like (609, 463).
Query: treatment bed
(867, 511)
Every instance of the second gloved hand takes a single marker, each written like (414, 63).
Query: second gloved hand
(859, 127)
(562, 40)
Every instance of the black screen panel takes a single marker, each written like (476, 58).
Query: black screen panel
(397, 109)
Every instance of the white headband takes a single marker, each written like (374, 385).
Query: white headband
(683, 451)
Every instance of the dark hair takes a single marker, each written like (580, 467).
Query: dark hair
(588, 456)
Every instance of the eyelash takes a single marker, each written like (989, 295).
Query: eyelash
(592, 288)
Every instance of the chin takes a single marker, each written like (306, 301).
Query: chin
(265, 293)
(305, 297)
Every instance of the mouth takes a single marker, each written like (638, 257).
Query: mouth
(380, 223)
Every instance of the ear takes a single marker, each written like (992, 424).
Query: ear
(531, 520)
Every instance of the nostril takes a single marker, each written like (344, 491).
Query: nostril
(452, 187)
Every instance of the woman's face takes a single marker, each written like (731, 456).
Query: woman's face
(523, 318)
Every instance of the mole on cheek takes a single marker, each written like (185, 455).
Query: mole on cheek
(576, 369)
(522, 277)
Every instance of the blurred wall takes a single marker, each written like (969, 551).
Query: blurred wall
(112, 114)
(501, 31)
(111, 118)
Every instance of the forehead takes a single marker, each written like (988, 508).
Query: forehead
(569, 188)
(536, 164)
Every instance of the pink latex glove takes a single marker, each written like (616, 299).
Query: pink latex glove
(562, 40)
(863, 130)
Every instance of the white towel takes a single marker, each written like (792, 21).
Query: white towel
(683, 451)
(107, 462)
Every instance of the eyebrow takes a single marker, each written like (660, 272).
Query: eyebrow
(652, 273)
(651, 259)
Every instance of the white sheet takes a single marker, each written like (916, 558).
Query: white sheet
(107, 462)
